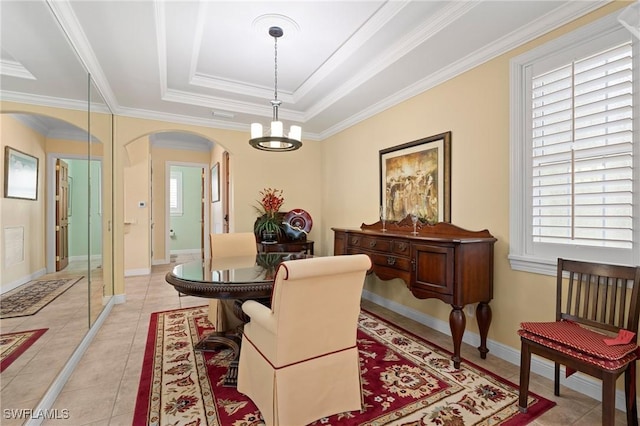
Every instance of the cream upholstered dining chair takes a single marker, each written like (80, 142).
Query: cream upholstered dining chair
(299, 361)
(222, 246)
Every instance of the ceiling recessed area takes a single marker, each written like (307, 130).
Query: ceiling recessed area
(211, 63)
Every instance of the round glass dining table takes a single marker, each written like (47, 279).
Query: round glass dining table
(236, 278)
(241, 278)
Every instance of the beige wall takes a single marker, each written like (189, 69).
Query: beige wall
(475, 107)
(297, 173)
(137, 189)
(28, 215)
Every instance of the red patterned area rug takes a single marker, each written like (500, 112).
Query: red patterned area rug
(12, 345)
(406, 381)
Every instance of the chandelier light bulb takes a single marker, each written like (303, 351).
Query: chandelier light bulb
(295, 132)
(276, 129)
(256, 130)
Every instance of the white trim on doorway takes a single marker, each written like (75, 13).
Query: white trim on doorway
(207, 201)
(50, 229)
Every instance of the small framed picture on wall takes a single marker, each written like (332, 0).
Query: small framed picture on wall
(215, 183)
(20, 174)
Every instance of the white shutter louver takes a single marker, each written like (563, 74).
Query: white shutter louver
(582, 161)
(175, 193)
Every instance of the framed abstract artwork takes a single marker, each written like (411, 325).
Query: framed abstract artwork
(415, 178)
(20, 174)
(215, 183)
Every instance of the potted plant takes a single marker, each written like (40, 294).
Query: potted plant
(268, 226)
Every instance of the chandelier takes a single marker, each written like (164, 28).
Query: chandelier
(275, 140)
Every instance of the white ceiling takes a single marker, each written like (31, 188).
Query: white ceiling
(211, 63)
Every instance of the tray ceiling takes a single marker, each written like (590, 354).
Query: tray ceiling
(211, 63)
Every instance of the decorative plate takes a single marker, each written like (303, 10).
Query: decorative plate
(299, 219)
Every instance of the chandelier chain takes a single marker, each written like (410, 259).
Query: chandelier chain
(275, 60)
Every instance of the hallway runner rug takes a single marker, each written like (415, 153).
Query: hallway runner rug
(12, 345)
(29, 298)
(406, 381)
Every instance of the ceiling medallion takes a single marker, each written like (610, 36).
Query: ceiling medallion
(275, 140)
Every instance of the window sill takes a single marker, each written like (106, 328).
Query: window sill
(534, 265)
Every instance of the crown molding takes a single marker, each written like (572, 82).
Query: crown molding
(15, 69)
(213, 102)
(47, 101)
(394, 53)
(71, 27)
(64, 14)
(195, 121)
(549, 22)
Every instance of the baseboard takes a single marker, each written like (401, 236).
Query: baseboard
(44, 406)
(17, 283)
(578, 382)
(84, 258)
(136, 272)
(186, 251)
(119, 298)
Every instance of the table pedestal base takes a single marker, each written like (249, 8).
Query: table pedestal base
(217, 340)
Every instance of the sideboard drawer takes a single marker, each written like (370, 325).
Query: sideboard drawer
(391, 261)
(401, 247)
(372, 243)
(377, 244)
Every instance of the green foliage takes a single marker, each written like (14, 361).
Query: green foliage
(268, 223)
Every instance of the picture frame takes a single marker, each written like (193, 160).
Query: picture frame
(215, 183)
(415, 177)
(20, 174)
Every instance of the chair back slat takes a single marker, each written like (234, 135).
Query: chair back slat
(590, 297)
(609, 299)
(601, 296)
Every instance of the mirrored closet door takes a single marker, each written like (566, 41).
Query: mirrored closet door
(55, 233)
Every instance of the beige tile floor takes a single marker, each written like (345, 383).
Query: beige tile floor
(103, 388)
(25, 381)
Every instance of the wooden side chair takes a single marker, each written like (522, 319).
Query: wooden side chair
(595, 331)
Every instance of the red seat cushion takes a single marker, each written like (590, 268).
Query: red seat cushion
(580, 342)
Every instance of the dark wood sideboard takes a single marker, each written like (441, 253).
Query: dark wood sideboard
(305, 246)
(442, 262)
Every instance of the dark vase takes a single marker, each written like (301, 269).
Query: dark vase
(269, 237)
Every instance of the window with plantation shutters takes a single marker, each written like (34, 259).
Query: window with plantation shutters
(175, 193)
(574, 138)
(582, 156)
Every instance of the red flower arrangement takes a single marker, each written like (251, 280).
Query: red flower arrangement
(269, 220)
(271, 202)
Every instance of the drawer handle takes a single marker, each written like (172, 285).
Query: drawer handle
(391, 261)
(402, 246)
(355, 241)
(372, 244)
